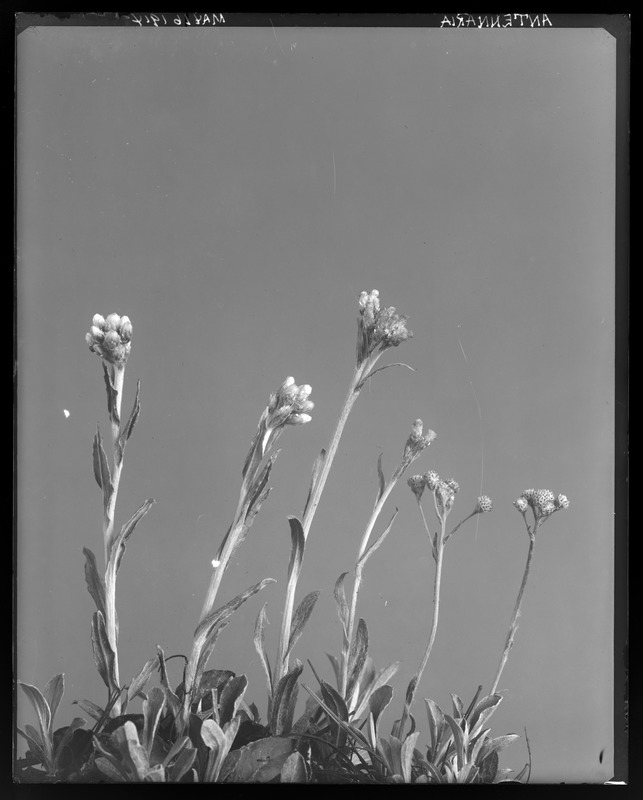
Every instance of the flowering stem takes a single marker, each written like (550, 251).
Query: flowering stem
(436, 592)
(359, 568)
(117, 375)
(361, 370)
(513, 627)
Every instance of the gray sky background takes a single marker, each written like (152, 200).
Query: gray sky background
(233, 191)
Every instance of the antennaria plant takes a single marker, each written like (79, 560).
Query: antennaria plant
(204, 730)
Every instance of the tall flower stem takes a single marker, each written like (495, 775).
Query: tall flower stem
(513, 626)
(352, 394)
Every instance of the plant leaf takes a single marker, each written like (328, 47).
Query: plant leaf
(357, 657)
(42, 710)
(133, 752)
(342, 605)
(294, 769)
(406, 755)
(112, 769)
(136, 686)
(53, 693)
(101, 468)
(214, 739)
(35, 742)
(260, 647)
(152, 709)
(216, 617)
(94, 580)
(112, 396)
(337, 724)
(459, 740)
(489, 767)
(336, 669)
(317, 468)
(183, 761)
(381, 478)
(118, 545)
(458, 709)
(258, 762)
(378, 541)
(129, 425)
(298, 544)
(300, 618)
(75, 724)
(483, 710)
(380, 679)
(284, 700)
(103, 654)
(231, 697)
(377, 702)
(379, 369)
(90, 708)
(436, 722)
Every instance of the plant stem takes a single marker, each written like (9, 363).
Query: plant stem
(513, 626)
(354, 388)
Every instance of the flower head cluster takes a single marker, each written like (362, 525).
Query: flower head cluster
(417, 441)
(110, 338)
(378, 327)
(542, 502)
(289, 405)
(484, 505)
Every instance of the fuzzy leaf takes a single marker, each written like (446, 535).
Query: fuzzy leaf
(336, 702)
(129, 425)
(482, 711)
(182, 762)
(336, 669)
(298, 544)
(94, 580)
(260, 491)
(104, 657)
(378, 541)
(118, 545)
(381, 478)
(112, 769)
(498, 744)
(284, 700)
(294, 769)
(300, 618)
(135, 755)
(351, 730)
(213, 680)
(436, 722)
(342, 605)
(458, 738)
(489, 767)
(136, 686)
(75, 724)
(173, 702)
(406, 755)
(458, 708)
(260, 647)
(380, 679)
(101, 468)
(231, 697)
(215, 618)
(42, 710)
(35, 743)
(53, 693)
(379, 369)
(357, 656)
(152, 710)
(378, 701)
(260, 761)
(94, 711)
(317, 468)
(219, 741)
(112, 396)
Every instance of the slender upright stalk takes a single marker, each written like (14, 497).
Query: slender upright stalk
(513, 627)
(352, 394)
(436, 591)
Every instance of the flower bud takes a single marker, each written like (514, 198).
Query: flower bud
(112, 322)
(521, 504)
(417, 483)
(484, 504)
(111, 340)
(298, 419)
(125, 329)
(97, 333)
(561, 501)
(432, 479)
(98, 321)
(453, 485)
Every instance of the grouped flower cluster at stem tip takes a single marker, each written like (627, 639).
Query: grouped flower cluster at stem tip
(378, 327)
(110, 338)
(417, 441)
(541, 501)
(444, 492)
(289, 405)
